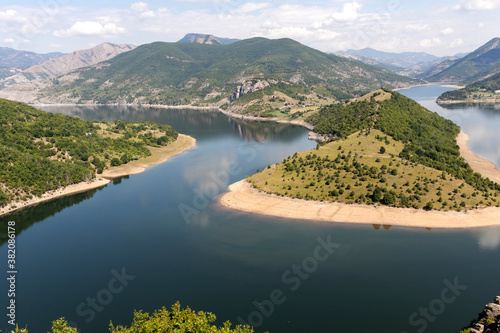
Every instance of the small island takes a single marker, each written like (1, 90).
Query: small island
(389, 160)
(45, 155)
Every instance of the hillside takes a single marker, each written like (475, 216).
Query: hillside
(41, 151)
(484, 91)
(67, 63)
(199, 74)
(475, 66)
(386, 149)
(206, 39)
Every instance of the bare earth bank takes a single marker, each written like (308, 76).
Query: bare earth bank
(244, 197)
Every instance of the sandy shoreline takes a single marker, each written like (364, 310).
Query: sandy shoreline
(159, 155)
(244, 197)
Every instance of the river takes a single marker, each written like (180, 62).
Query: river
(151, 239)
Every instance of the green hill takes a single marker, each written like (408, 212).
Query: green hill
(484, 91)
(473, 67)
(386, 149)
(200, 74)
(41, 151)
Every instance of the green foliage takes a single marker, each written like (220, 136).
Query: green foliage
(161, 321)
(41, 151)
(178, 321)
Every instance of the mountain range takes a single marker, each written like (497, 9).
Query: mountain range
(13, 61)
(67, 62)
(191, 73)
(410, 64)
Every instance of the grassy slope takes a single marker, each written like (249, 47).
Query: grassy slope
(421, 165)
(41, 151)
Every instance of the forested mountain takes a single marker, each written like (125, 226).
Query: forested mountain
(41, 151)
(182, 73)
(475, 66)
(386, 149)
(487, 90)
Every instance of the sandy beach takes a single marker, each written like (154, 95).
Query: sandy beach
(244, 197)
(159, 155)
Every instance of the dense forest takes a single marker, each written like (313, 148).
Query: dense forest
(41, 151)
(385, 149)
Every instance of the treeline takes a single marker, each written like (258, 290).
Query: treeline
(40, 151)
(429, 138)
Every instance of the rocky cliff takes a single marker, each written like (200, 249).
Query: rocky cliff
(488, 320)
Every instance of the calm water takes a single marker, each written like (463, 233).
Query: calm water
(163, 234)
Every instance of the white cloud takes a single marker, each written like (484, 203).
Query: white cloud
(431, 42)
(349, 12)
(143, 9)
(417, 27)
(90, 28)
(251, 7)
(139, 6)
(447, 31)
(457, 42)
(477, 5)
(9, 40)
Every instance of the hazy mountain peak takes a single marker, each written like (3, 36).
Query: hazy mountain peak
(206, 39)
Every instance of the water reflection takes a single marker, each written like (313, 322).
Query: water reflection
(183, 120)
(28, 216)
(488, 238)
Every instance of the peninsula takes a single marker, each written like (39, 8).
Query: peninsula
(390, 161)
(46, 155)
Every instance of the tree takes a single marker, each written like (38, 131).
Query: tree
(382, 150)
(178, 321)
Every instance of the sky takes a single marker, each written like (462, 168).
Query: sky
(438, 27)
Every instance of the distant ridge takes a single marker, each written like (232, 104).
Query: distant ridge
(411, 64)
(68, 62)
(11, 58)
(476, 66)
(206, 39)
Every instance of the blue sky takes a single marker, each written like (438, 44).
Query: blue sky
(437, 27)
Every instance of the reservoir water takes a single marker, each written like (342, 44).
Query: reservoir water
(158, 237)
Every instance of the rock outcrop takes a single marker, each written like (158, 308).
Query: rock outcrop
(488, 320)
(248, 87)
